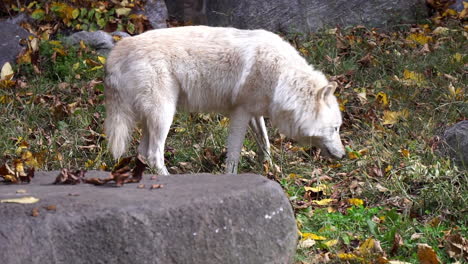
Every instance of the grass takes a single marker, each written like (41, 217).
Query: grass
(396, 96)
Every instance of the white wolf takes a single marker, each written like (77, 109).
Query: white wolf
(245, 74)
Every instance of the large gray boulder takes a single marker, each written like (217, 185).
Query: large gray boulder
(100, 40)
(298, 15)
(156, 12)
(455, 143)
(10, 46)
(193, 219)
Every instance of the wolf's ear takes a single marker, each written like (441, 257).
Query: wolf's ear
(327, 90)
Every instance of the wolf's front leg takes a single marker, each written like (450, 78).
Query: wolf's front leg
(237, 129)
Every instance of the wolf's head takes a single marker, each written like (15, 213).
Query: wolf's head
(320, 126)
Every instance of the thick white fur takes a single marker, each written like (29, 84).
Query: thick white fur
(245, 74)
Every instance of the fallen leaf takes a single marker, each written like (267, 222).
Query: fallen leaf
(381, 188)
(307, 243)
(35, 212)
(331, 243)
(355, 201)
(319, 188)
(156, 186)
(324, 201)
(416, 236)
(51, 207)
(349, 256)
(413, 78)
(6, 72)
(419, 38)
(456, 246)
(22, 200)
(397, 243)
(427, 255)
(312, 236)
(391, 118)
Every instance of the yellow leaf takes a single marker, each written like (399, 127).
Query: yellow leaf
(427, 255)
(7, 72)
(391, 118)
(82, 44)
(60, 51)
(296, 149)
(419, 38)
(331, 243)
(102, 59)
(56, 43)
(342, 104)
(96, 68)
(412, 77)
(5, 99)
(123, 11)
(38, 14)
(320, 188)
(366, 247)
(405, 153)
(388, 168)
(457, 57)
(75, 13)
(352, 155)
(224, 122)
(323, 201)
(312, 236)
(382, 98)
(449, 12)
(10, 178)
(22, 200)
(89, 163)
(348, 256)
(293, 176)
(355, 201)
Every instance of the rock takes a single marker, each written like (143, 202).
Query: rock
(99, 40)
(455, 143)
(200, 218)
(120, 34)
(156, 12)
(10, 46)
(298, 16)
(18, 19)
(457, 5)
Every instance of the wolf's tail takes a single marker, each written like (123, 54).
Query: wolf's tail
(118, 124)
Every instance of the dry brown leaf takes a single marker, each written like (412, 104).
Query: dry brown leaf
(35, 212)
(397, 243)
(156, 186)
(456, 246)
(427, 255)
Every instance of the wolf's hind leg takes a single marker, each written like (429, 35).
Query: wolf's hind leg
(144, 142)
(259, 131)
(237, 129)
